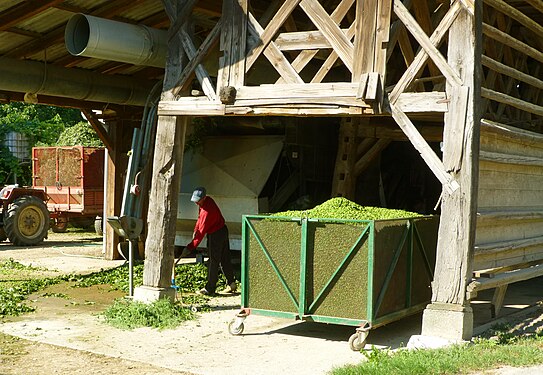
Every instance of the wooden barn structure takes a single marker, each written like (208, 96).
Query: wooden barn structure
(466, 73)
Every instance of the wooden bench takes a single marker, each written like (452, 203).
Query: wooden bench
(500, 278)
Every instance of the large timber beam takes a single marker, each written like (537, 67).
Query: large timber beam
(458, 209)
(165, 182)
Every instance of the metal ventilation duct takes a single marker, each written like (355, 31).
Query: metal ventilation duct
(38, 78)
(116, 41)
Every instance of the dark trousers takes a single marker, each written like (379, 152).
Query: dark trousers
(218, 249)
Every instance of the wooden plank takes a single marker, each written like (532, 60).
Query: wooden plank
(190, 106)
(485, 217)
(456, 236)
(512, 101)
(491, 272)
(511, 72)
(414, 69)
(510, 41)
(303, 40)
(498, 157)
(506, 278)
(225, 61)
(165, 180)
(420, 102)
(305, 56)
(330, 60)
(509, 259)
(373, 89)
(209, 43)
(201, 73)
(406, 47)
(339, 41)
(517, 15)
(180, 20)
(362, 86)
(395, 29)
(426, 152)
(239, 43)
(425, 42)
(483, 250)
(338, 101)
(366, 19)
(537, 4)
(322, 111)
(274, 55)
(317, 90)
(365, 161)
(267, 35)
(497, 300)
(511, 133)
(99, 129)
(454, 130)
(430, 133)
(382, 36)
(422, 15)
(344, 179)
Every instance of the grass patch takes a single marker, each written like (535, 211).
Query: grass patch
(188, 277)
(18, 281)
(161, 314)
(501, 350)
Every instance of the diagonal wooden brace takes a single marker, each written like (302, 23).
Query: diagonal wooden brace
(426, 152)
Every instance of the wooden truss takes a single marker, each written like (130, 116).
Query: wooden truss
(355, 37)
(297, 47)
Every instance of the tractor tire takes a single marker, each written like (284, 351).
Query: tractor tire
(99, 226)
(27, 221)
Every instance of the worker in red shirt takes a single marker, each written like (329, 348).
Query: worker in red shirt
(211, 222)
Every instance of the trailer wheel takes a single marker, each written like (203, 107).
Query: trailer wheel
(98, 226)
(235, 330)
(59, 225)
(357, 341)
(26, 221)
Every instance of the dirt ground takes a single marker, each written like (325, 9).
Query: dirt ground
(67, 335)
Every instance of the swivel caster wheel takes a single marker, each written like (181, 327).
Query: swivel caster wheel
(357, 341)
(235, 328)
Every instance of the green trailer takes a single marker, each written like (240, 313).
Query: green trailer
(361, 273)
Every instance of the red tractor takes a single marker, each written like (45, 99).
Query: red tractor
(24, 218)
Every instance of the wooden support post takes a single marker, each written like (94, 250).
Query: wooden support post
(165, 184)
(497, 300)
(116, 162)
(344, 182)
(458, 209)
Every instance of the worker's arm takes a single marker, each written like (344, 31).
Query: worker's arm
(200, 230)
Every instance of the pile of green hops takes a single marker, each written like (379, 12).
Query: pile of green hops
(342, 208)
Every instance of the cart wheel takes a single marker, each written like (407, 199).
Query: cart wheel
(357, 341)
(235, 331)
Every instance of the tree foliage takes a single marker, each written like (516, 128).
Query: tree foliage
(79, 134)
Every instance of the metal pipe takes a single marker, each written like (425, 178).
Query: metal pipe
(39, 78)
(105, 207)
(116, 41)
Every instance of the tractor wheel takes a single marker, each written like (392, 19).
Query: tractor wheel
(59, 225)
(26, 221)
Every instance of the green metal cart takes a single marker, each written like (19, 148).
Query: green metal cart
(359, 273)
